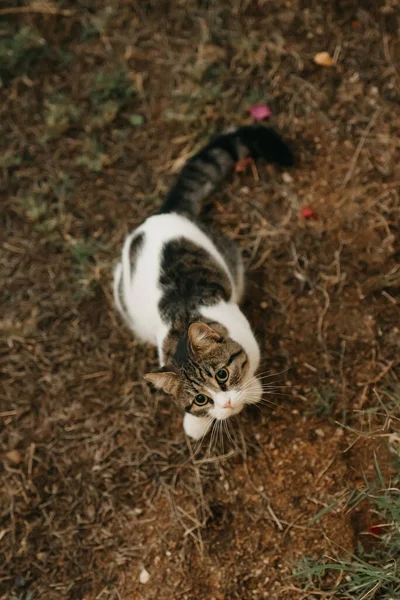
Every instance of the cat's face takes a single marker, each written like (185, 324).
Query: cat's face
(215, 380)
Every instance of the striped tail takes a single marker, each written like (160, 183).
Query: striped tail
(207, 169)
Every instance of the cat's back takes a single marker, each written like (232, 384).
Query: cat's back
(153, 261)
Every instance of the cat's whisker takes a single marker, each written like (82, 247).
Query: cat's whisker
(223, 431)
(274, 385)
(255, 403)
(224, 427)
(248, 385)
(218, 440)
(197, 446)
(271, 390)
(268, 387)
(221, 435)
(267, 403)
(214, 436)
(268, 381)
(228, 432)
(207, 452)
(213, 430)
(200, 441)
(257, 400)
(269, 374)
(277, 394)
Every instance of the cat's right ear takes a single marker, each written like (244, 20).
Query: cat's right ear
(165, 380)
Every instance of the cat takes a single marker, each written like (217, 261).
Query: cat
(178, 286)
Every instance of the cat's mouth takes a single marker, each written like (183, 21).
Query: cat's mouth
(221, 413)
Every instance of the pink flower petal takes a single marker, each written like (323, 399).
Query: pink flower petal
(260, 112)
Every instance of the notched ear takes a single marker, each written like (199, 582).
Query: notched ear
(165, 380)
(202, 337)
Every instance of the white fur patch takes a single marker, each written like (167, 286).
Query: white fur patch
(196, 427)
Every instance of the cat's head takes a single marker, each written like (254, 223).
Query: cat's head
(215, 379)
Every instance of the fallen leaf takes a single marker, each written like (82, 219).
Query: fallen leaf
(260, 112)
(136, 120)
(210, 53)
(243, 164)
(308, 213)
(324, 59)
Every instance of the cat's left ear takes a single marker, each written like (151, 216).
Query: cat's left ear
(202, 337)
(165, 380)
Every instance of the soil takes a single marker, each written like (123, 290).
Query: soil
(98, 481)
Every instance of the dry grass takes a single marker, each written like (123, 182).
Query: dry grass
(99, 107)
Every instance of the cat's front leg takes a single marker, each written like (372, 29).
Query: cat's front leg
(196, 427)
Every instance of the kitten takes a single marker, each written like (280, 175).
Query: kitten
(178, 286)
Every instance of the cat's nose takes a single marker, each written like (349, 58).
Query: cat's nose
(227, 404)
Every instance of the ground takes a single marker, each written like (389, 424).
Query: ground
(101, 103)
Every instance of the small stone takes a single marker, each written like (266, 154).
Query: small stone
(20, 581)
(42, 556)
(320, 432)
(287, 178)
(144, 576)
(14, 457)
(323, 59)
(90, 511)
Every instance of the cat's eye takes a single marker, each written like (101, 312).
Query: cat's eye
(222, 375)
(201, 400)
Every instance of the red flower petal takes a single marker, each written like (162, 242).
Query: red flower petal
(260, 112)
(243, 164)
(375, 529)
(308, 213)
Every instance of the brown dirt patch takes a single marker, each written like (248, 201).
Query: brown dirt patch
(97, 480)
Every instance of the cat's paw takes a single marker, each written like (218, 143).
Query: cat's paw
(196, 427)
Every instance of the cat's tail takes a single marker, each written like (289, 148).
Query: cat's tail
(207, 169)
